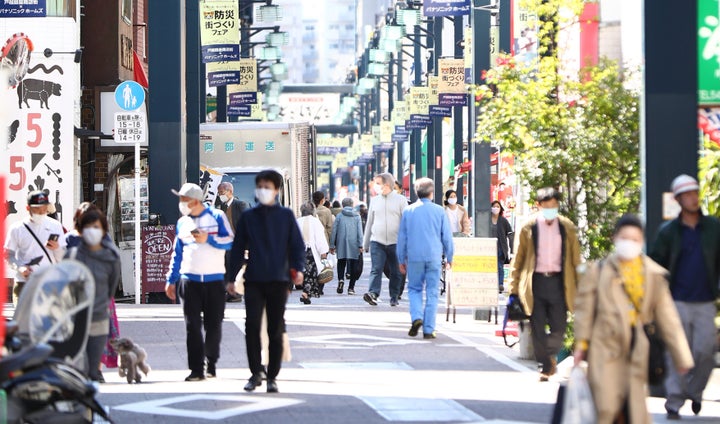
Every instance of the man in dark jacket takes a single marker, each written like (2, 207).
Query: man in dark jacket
(233, 208)
(276, 261)
(689, 247)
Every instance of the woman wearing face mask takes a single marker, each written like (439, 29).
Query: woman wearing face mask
(316, 246)
(458, 216)
(501, 228)
(101, 256)
(617, 296)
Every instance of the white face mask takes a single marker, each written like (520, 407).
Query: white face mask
(550, 213)
(184, 208)
(265, 196)
(37, 218)
(628, 249)
(495, 211)
(378, 188)
(92, 236)
(452, 201)
(224, 198)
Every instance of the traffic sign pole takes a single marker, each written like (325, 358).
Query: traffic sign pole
(132, 127)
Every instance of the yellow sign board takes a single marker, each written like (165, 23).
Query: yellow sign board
(474, 277)
(420, 103)
(433, 82)
(248, 76)
(452, 76)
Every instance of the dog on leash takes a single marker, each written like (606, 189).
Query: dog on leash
(132, 359)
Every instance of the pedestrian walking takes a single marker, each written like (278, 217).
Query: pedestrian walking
(689, 247)
(457, 214)
(233, 208)
(102, 258)
(610, 335)
(316, 250)
(500, 228)
(323, 213)
(197, 277)
(380, 237)
(336, 208)
(424, 237)
(276, 261)
(544, 276)
(346, 242)
(33, 242)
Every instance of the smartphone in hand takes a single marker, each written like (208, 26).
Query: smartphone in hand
(54, 237)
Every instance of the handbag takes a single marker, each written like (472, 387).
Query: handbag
(514, 311)
(326, 274)
(578, 405)
(656, 358)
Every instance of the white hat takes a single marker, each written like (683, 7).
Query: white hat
(683, 183)
(190, 190)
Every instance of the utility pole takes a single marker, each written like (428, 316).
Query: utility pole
(436, 160)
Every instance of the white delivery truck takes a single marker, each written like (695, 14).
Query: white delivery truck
(239, 150)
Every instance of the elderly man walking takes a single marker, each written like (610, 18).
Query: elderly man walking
(380, 239)
(346, 241)
(689, 247)
(424, 236)
(544, 277)
(233, 208)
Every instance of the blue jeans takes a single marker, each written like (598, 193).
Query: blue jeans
(424, 275)
(501, 267)
(379, 253)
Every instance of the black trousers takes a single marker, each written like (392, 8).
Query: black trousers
(549, 310)
(203, 307)
(273, 297)
(342, 264)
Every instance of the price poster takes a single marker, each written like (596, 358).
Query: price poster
(474, 280)
(37, 114)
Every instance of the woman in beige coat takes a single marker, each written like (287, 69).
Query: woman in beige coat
(616, 297)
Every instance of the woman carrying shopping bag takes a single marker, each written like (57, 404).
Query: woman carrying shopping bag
(317, 248)
(617, 298)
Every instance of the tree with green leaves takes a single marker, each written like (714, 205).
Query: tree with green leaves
(578, 133)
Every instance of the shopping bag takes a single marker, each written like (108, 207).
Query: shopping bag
(332, 258)
(578, 406)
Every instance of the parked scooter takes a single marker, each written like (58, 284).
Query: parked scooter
(41, 376)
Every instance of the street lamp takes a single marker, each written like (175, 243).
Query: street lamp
(269, 13)
(277, 39)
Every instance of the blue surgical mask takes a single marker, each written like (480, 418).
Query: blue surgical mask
(550, 213)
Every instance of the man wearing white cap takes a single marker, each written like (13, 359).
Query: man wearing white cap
(197, 276)
(689, 247)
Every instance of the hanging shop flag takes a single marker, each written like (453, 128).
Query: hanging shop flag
(446, 7)
(244, 94)
(433, 83)
(223, 73)
(451, 86)
(219, 33)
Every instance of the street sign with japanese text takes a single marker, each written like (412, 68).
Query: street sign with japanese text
(420, 101)
(23, 9)
(446, 7)
(219, 33)
(223, 73)
(130, 127)
(433, 83)
(452, 75)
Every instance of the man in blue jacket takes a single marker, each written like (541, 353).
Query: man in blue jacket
(424, 236)
(276, 260)
(197, 276)
(689, 247)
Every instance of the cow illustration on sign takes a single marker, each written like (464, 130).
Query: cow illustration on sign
(34, 89)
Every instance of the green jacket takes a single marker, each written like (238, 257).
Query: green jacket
(666, 248)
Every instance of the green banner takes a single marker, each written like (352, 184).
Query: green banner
(708, 52)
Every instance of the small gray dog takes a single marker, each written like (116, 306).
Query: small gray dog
(132, 359)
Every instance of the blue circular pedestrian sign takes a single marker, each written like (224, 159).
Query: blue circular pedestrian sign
(129, 95)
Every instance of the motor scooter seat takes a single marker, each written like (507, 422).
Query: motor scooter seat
(27, 358)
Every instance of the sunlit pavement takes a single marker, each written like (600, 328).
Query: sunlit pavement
(351, 363)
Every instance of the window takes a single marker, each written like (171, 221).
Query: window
(61, 8)
(126, 11)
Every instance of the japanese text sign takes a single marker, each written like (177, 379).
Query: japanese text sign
(219, 33)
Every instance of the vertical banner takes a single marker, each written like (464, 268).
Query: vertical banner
(524, 33)
(219, 32)
(451, 85)
(446, 7)
(708, 52)
(243, 95)
(39, 151)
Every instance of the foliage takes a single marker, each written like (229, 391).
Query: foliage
(709, 175)
(578, 133)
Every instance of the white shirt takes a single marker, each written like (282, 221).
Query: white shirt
(24, 248)
(454, 218)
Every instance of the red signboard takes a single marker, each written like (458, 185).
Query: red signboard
(157, 247)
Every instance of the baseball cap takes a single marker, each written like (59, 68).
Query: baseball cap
(37, 198)
(190, 190)
(683, 183)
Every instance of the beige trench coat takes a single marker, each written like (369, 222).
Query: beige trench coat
(523, 264)
(602, 318)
